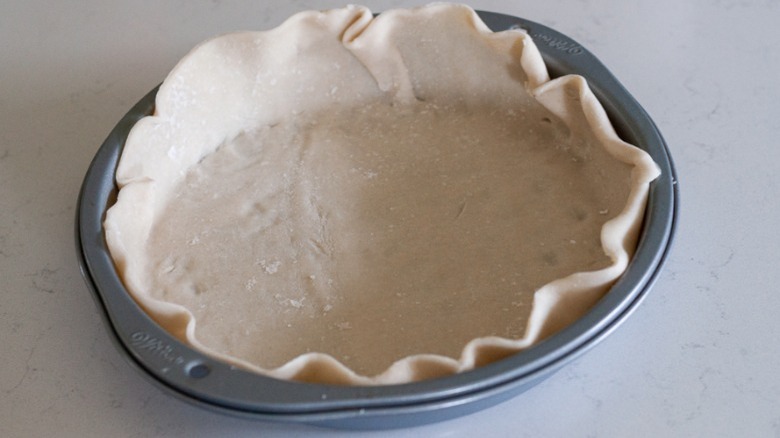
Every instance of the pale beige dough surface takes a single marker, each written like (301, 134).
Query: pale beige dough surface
(365, 191)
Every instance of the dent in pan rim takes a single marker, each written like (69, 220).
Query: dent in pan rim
(202, 380)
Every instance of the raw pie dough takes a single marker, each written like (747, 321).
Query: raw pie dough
(357, 200)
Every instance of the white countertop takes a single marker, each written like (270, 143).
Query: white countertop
(700, 357)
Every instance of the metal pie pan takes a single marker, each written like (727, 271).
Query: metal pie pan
(199, 379)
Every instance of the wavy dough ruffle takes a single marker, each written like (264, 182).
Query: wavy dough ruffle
(353, 199)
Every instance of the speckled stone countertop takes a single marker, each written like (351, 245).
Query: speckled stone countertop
(698, 358)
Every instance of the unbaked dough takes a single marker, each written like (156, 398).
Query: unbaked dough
(371, 200)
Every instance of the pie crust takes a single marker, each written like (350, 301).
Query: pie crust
(350, 199)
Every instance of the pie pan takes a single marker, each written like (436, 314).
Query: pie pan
(204, 381)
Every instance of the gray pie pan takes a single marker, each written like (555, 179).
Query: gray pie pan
(206, 382)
